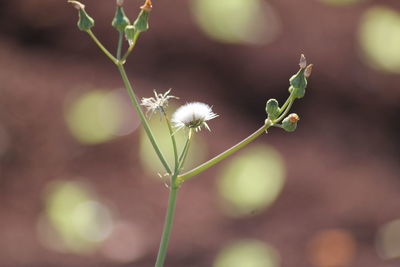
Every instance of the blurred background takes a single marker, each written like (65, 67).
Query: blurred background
(78, 180)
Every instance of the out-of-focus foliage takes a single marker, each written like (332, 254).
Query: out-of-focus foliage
(342, 2)
(252, 180)
(99, 116)
(248, 253)
(379, 37)
(388, 240)
(81, 221)
(236, 21)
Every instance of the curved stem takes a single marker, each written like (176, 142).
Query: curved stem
(289, 106)
(130, 48)
(100, 45)
(162, 252)
(120, 40)
(216, 159)
(139, 111)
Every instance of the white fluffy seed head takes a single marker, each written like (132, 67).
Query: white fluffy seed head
(193, 115)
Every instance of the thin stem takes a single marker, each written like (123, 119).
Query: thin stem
(162, 252)
(173, 144)
(286, 110)
(223, 155)
(130, 48)
(139, 111)
(185, 151)
(100, 45)
(120, 41)
(286, 103)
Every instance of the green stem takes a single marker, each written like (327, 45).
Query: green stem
(181, 178)
(100, 45)
(162, 252)
(173, 144)
(120, 41)
(286, 103)
(283, 115)
(185, 151)
(130, 48)
(142, 117)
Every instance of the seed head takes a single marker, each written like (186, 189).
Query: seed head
(158, 103)
(193, 115)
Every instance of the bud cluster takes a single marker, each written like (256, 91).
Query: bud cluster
(297, 89)
(120, 21)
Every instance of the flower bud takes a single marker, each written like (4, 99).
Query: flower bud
(141, 24)
(299, 83)
(289, 124)
(120, 20)
(130, 33)
(272, 109)
(85, 22)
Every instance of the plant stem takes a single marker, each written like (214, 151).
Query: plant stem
(130, 48)
(289, 106)
(100, 45)
(181, 178)
(139, 111)
(120, 41)
(173, 144)
(185, 151)
(162, 252)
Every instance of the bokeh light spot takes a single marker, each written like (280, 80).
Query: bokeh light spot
(342, 2)
(99, 116)
(148, 157)
(379, 37)
(236, 21)
(388, 240)
(127, 243)
(80, 221)
(248, 253)
(333, 247)
(252, 180)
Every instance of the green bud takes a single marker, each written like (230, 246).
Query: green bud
(289, 124)
(272, 109)
(120, 20)
(299, 83)
(85, 22)
(141, 24)
(130, 33)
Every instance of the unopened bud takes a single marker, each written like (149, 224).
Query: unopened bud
(298, 83)
(289, 124)
(272, 109)
(85, 22)
(141, 24)
(130, 33)
(303, 62)
(120, 20)
(308, 71)
(120, 2)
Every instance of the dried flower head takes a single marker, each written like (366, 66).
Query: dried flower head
(157, 103)
(303, 62)
(77, 5)
(193, 115)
